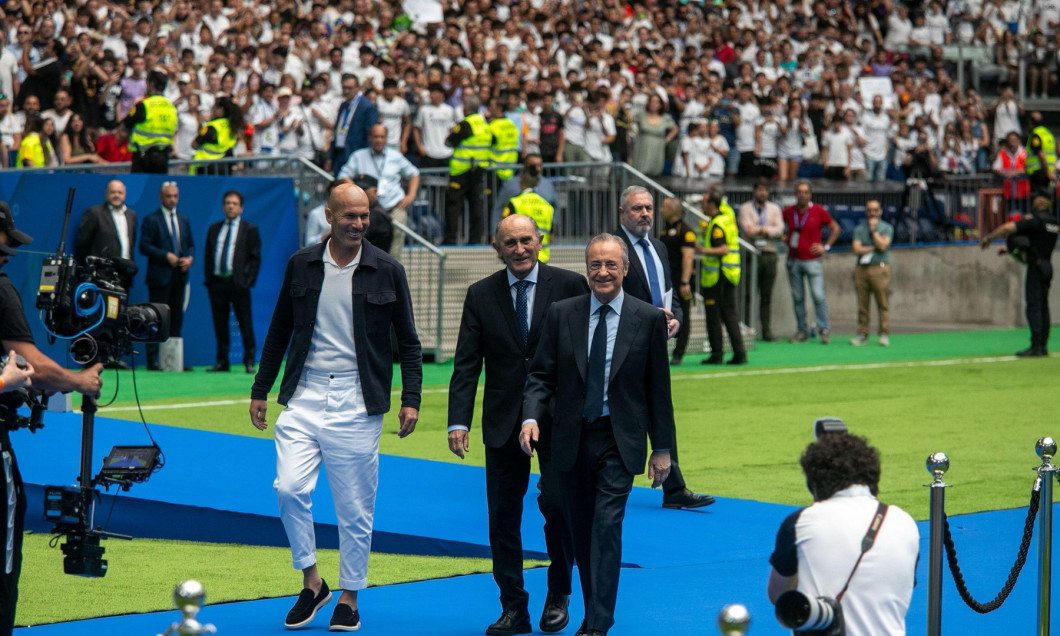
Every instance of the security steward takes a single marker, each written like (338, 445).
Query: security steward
(152, 122)
(1031, 241)
(719, 275)
(48, 377)
(471, 141)
(218, 136)
(530, 203)
(1041, 157)
(505, 147)
(680, 241)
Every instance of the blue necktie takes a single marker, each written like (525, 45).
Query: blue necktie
(173, 232)
(522, 312)
(653, 276)
(224, 249)
(595, 380)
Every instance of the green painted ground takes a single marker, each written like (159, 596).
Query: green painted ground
(740, 430)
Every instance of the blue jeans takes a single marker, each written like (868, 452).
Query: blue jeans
(877, 169)
(812, 270)
(732, 160)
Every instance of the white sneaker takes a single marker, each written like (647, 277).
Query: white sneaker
(860, 341)
(885, 340)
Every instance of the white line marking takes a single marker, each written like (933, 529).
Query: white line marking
(682, 376)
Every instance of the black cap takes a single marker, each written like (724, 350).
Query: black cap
(365, 181)
(15, 238)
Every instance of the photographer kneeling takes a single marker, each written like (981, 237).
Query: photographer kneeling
(819, 550)
(47, 377)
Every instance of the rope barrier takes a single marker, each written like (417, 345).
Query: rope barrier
(1021, 558)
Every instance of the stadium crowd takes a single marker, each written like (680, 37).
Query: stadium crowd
(691, 89)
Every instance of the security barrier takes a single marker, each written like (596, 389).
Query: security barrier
(1041, 506)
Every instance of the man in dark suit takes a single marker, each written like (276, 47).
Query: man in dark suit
(604, 391)
(165, 239)
(357, 114)
(233, 258)
(108, 230)
(649, 280)
(501, 326)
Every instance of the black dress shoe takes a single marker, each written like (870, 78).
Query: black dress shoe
(685, 498)
(187, 369)
(154, 366)
(675, 361)
(249, 367)
(712, 360)
(589, 632)
(1033, 352)
(218, 367)
(512, 621)
(554, 617)
(742, 360)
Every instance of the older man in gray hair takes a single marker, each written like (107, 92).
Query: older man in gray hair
(649, 280)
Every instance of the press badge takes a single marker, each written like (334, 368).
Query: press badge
(795, 239)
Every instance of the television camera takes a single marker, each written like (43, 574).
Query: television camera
(88, 305)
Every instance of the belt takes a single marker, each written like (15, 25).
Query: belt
(598, 423)
(872, 265)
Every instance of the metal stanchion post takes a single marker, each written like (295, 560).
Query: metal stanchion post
(1046, 449)
(937, 465)
(734, 620)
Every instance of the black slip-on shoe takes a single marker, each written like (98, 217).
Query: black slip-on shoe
(305, 608)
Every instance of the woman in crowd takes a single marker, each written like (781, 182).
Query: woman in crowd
(797, 127)
(37, 149)
(75, 145)
(654, 129)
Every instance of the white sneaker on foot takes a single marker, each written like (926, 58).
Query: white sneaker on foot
(885, 340)
(860, 341)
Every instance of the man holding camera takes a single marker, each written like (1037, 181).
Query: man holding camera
(820, 550)
(16, 337)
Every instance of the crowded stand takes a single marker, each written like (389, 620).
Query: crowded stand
(781, 89)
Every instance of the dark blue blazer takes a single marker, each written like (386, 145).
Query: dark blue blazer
(366, 116)
(156, 242)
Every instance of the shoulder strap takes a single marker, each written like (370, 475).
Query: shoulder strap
(866, 543)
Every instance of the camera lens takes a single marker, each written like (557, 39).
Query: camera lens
(799, 612)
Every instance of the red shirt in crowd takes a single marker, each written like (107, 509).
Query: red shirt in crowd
(108, 148)
(805, 227)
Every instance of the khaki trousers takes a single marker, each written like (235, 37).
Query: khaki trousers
(873, 281)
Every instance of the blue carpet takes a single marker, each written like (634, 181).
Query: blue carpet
(682, 566)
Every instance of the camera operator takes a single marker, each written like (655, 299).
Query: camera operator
(15, 336)
(14, 377)
(819, 548)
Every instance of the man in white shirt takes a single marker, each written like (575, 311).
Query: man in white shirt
(395, 115)
(898, 30)
(434, 122)
(876, 124)
(836, 145)
(745, 130)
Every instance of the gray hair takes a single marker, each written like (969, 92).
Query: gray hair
(471, 103)
(608, 238)
(537, 230)
(630, 191)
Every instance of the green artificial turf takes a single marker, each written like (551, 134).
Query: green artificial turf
(228, 572)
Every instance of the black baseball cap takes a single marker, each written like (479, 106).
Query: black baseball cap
(15, 238)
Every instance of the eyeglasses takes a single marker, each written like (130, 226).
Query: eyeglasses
(610, 266)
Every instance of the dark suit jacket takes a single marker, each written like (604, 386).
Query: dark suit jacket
(489, 334)
(638, 387)
(636, 282)
(366, 116)
(156, 242)
(246, 258)
(381, 302)
(98, 236)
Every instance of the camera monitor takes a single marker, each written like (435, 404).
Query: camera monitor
(130, 463)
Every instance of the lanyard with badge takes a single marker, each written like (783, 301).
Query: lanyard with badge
(761, 241)
(798, 225)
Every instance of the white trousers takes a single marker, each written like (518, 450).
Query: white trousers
(326, 420)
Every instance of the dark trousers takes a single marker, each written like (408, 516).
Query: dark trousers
(686, 326)
(767, 278)
(720, 302)
(224, 294)
(595, 502)
(464, 187)
(431, 162)
(1036, 290)
(507, 478)
(172, 295)
(12, 552)
(151, 161)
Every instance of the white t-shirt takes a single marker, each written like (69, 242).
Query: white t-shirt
(596, 129)
(770, 138)
(877, 128)
(898, 31)
(717, 161)
(574, 126)
(857, 156)
(1006, 120)
(392, 114)
(837, 143)
(745, 132)
(435, 124)
(12, 124)
(823, 542)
